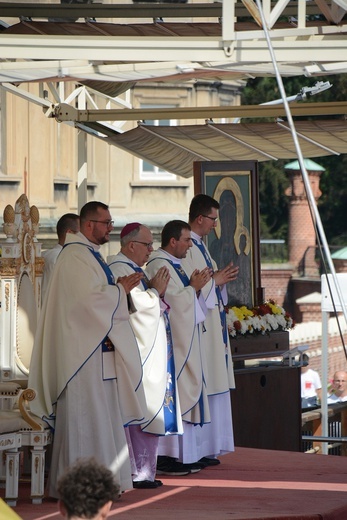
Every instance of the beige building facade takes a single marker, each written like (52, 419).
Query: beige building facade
(58, 166)
(46, 160)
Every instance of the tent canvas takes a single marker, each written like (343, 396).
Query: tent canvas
(175, 148)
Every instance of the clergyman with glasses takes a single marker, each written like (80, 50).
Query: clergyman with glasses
(151, 327)
(215, 438)
(86, 367)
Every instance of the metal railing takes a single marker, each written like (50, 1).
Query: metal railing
(311, 430)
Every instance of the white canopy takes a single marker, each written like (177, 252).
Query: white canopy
(175, 148)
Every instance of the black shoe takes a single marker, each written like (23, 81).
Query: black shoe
(170, 466)
(146, 484)
(209, 461)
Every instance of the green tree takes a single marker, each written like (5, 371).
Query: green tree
(273, 201)
(272, 178)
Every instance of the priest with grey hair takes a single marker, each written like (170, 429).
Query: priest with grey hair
(151, 327)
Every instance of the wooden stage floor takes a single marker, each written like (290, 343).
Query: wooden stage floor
(249, 484)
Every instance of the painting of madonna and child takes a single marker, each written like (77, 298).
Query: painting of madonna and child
(236, 236)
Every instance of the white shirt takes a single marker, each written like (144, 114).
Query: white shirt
(310, 382)
(333, 398)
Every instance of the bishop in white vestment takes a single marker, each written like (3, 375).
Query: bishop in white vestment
(151, 326)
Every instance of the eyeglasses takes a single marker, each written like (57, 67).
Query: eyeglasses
(339, 381)
(108, 223)
(149, 245)
(215, 219)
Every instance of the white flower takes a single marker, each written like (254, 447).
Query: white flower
(261, 319)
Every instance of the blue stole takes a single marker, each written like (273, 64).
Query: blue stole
(170, 414)
(107, 345)
(186, 282)
(144, 280)
(222, 313)
(107, 270)
(181, 273)
(99, 258)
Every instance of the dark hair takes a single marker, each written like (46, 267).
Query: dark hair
(66, 222)
(305, 359)
(173, 229)
(86, 487)
(201, 205)
(91, 210)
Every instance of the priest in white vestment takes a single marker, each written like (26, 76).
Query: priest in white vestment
(86, 367)
(68, 223)
(151, 326)
(215, 438)
(186, 318)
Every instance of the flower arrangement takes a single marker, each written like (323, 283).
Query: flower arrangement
(261, 319)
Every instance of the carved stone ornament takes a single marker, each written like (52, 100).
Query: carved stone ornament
(9, 267)
(21, 225)
(21, 267)
(9, 226)
(35, 218)
(27, 247)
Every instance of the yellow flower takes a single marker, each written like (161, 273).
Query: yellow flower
(275, 308)
(242, 312)
(246, 311)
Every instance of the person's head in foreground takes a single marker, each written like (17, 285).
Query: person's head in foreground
(87, 490)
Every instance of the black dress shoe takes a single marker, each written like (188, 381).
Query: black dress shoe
(146, 484)
(209, 462)
(170, 466)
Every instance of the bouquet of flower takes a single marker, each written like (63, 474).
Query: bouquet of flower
(261, 319)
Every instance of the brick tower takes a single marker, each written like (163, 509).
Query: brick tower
(301, 232)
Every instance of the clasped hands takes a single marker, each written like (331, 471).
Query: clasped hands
(199, 279)
(130, 281)
(228, 274)
(158, 282)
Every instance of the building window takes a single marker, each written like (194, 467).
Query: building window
(148, 171)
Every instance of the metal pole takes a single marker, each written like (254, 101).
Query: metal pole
(82, 175)
(324, 364)
(309, 193)
(315, 212)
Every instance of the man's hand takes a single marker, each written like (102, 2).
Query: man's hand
(199, 279)
(160, 280)
(228, 274)
(131, 281)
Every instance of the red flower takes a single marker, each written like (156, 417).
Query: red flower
(237, 325)
(264, 309)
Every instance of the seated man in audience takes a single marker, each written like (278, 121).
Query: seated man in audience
(87, 490)
(339, 388)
